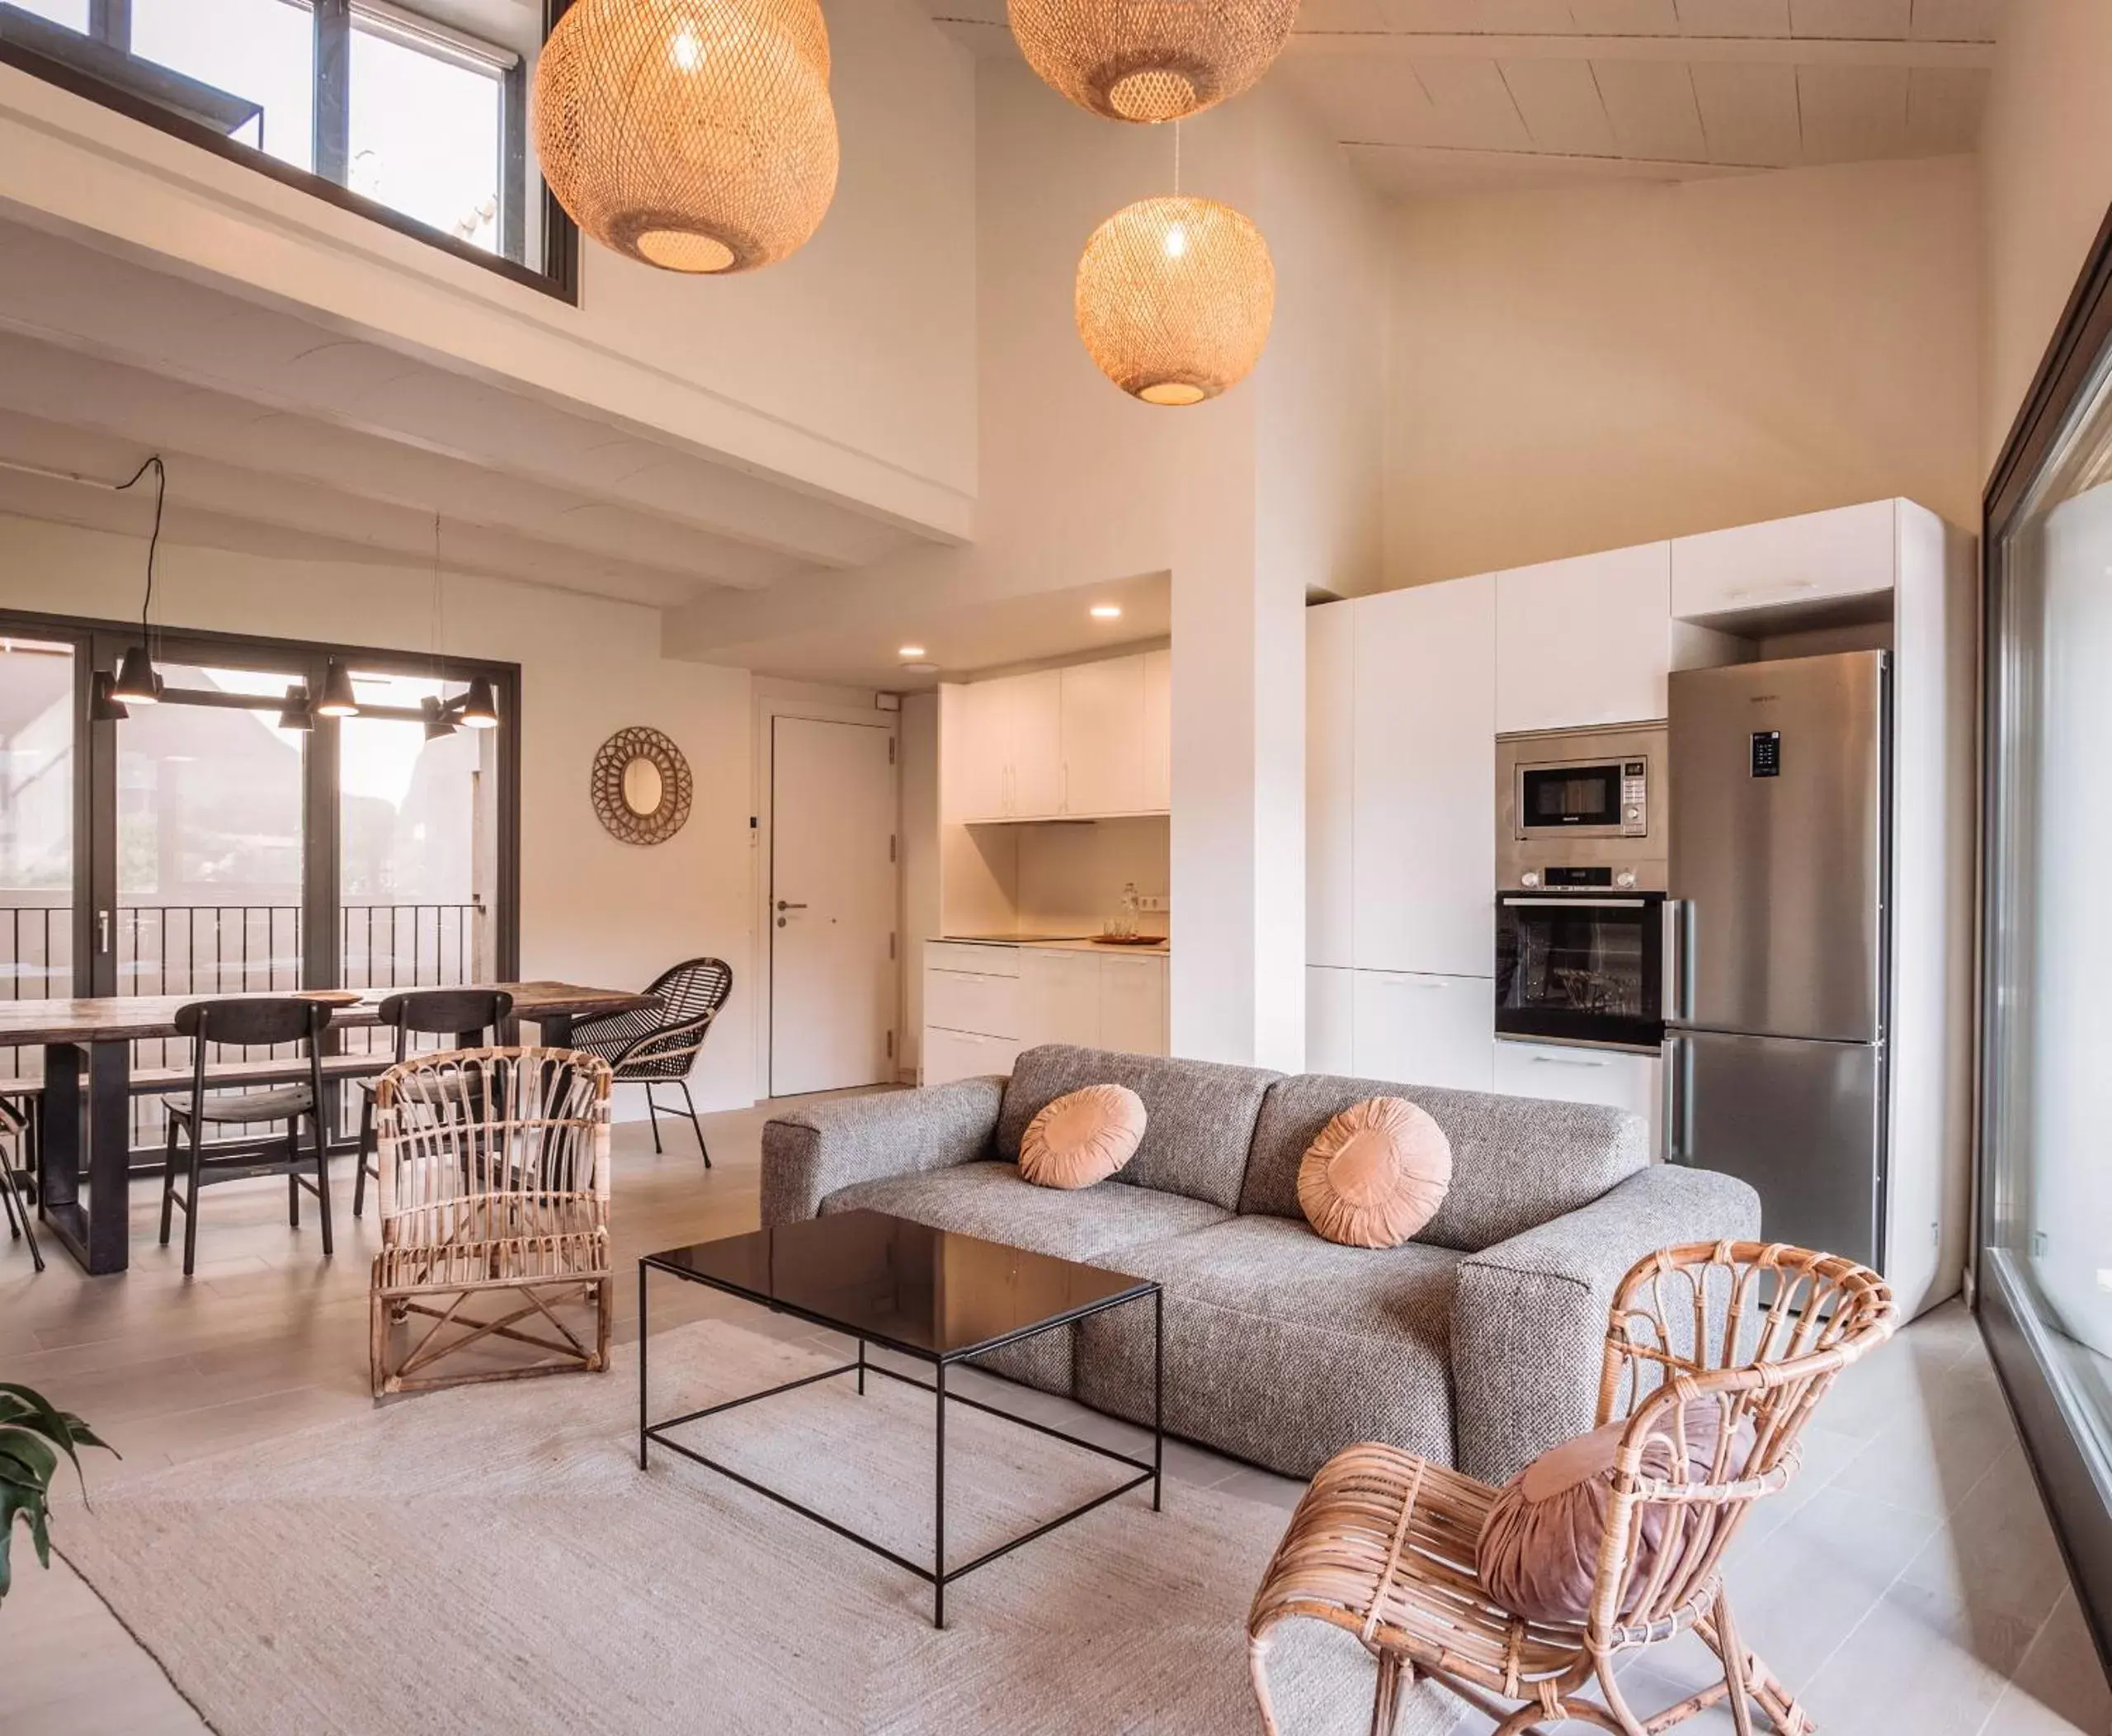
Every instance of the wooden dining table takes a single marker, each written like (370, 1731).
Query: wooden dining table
(88, 1088)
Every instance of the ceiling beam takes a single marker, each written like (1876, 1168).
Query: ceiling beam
(1750, 50)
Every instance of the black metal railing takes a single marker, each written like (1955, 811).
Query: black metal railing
(233, 949)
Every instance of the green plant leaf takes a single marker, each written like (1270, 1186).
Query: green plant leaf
(38, 1414)
(26, 1459)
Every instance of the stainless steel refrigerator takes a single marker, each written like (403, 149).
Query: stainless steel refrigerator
(1776, 959)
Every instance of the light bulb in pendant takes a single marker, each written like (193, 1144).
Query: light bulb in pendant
(1177, 241)
(685, 49)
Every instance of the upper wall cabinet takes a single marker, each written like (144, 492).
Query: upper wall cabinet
(1330, 782)
(1423, 852)
(1158, 732)
(1090, 742)
(1584, 641)
(1817, 558)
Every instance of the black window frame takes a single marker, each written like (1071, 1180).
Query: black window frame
(110, 22)
(94, 787)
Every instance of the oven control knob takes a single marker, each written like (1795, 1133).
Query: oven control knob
(1634, 814)
(1625, 880)
(1530, 877)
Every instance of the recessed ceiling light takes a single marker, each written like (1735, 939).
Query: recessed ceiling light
(909, 654)
(1106, 612)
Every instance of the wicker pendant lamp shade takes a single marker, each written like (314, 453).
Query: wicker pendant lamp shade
(1174, 296)
(696, 136)
(1149, 60)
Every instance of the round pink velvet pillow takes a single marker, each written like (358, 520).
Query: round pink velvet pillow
(1082, 1138)
(1376, 1175)
(1538, 1555)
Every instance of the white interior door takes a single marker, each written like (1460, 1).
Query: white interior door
(833, 984)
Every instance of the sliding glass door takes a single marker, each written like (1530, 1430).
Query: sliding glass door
(234, 837)
(2045, 1260)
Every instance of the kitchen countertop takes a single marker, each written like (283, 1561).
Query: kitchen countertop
(1055, 943)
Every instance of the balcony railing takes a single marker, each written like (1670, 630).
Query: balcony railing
(206, 950)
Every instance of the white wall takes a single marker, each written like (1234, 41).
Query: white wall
(592, 910)
(2046, 179)
(1598, 367)
(849, 367)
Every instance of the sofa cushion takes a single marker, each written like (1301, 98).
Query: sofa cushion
(1092, 1224)
(1516, 1162)
(1084, 1138)
(1283, 1348)
(1376, 1175)
(1199, 1114)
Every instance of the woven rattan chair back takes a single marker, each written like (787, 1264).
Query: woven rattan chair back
(659, 1044)
(1717, 1354)
(494, 1176)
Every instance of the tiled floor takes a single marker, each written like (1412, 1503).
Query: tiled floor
(1906, 1584)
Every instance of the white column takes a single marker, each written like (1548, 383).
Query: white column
(1239, 826)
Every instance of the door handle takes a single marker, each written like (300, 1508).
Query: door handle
(1679, 1100)
(1678, 985)
(782, 905)
(102, 931)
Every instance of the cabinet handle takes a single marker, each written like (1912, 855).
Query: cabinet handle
(1415, 981)
(1562, 1060)
(1739, 593)
(1067, 787)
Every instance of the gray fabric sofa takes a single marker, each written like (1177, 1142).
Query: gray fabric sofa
(1476, 1345)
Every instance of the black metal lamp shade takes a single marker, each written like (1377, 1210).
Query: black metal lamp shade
(478, 710)
(439, 726)
(296, 714)
(104, 707)
(338, 700)
(137, 682)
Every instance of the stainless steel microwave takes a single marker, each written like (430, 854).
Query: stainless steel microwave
(1581, 808)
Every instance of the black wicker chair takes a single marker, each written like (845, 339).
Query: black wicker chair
(659, 1044)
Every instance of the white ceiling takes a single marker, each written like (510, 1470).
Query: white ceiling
(279, 434)
(1433, 96)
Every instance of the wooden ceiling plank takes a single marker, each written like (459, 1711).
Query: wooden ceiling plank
(1562, 106)
(1652, 106)
(1956, 21)
(1625, 17)
(1865, 20)
(1733, 17)
(1944, 111)
(1853, 114)
(1749, 114)
(1784, 51)
(1473, 106)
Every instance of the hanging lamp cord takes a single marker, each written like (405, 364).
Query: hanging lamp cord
(153, 542)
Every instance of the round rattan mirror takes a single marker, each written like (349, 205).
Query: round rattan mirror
(641, 786)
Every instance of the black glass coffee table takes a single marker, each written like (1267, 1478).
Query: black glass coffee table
(930, 1294)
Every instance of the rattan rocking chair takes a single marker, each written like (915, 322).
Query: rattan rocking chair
(494, 1217)
(1383, 1543)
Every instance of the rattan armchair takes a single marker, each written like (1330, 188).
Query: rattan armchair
(1384, 1544)
(659, 1044)
(494, 1192)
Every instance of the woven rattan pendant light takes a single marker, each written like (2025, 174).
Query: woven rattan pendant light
(1174, 296)
(1150, 59)
(696, 136)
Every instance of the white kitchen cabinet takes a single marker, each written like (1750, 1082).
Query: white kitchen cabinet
(1564, 1073)
(1131, 1003)
(1417, 1029)
(1818, 557)
(961, 1000)
(1423, 874)
(1103, 735)
(1330, 770)
(1584, 641)
(979, 752)
(963, 1054)
(1059, 998)
(1158, 732)
(1329, 1020)
(1036, 708)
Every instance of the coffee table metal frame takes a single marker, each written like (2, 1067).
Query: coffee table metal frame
(938, 1576)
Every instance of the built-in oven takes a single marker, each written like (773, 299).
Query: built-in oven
(1581, 963)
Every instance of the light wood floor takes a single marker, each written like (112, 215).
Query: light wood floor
(1907, 1582)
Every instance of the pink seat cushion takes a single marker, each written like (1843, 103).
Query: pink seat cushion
(1082, 1138)
(1539, 1555)
(1376, 1175)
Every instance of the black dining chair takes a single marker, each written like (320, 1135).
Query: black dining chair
(251, 1022)
(18, 1123)
(468, 1017)
(659, 1044)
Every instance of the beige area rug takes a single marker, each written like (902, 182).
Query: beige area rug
(492, 1560)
